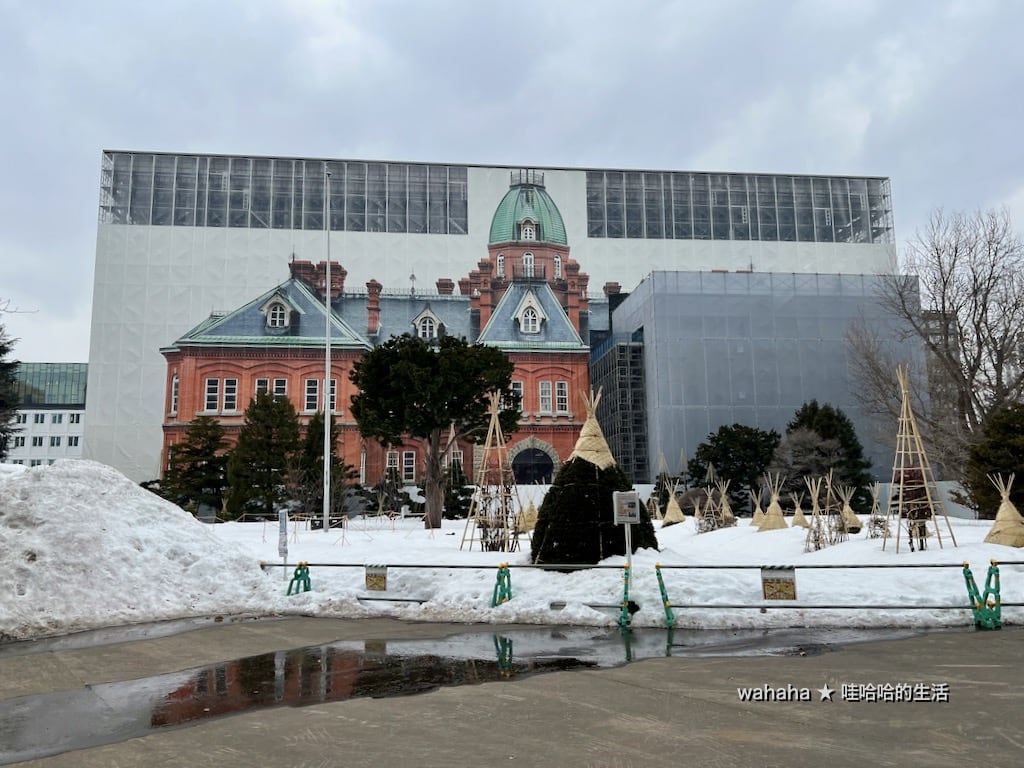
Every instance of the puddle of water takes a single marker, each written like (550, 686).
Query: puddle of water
(39, 726)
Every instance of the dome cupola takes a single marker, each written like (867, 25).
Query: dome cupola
(527, 213)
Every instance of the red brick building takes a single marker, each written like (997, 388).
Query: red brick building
(528, 297)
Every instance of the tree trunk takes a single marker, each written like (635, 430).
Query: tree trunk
(433, 481)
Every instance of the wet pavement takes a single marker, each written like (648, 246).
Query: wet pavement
(318, 692)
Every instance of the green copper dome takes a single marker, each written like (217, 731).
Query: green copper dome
(527, 199)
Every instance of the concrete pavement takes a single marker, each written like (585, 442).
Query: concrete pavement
(655, 712)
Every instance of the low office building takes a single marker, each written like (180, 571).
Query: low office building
(51, 413)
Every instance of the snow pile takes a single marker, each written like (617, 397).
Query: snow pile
(82, 547)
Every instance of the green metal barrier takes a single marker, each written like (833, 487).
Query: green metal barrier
(670, 617)
(300, 579)
(625, 616)
(503, 587)
(986, 606)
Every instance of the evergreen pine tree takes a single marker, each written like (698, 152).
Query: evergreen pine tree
(197, 475)
(849, 466)
(259, 464)
(8, 393)
(458, 494)
(575, 522)
(999, 451)
(308, 471)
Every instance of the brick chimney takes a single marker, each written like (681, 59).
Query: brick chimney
(373, 289)
(315, 277)
(445, 287)
(612, 289)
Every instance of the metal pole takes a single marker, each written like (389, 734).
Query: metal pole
(327, 356)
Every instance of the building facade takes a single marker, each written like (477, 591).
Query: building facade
(720, 348)
(51, 413)
(527, 297)
(182, 235)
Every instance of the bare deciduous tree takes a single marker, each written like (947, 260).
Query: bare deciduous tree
(961, 292)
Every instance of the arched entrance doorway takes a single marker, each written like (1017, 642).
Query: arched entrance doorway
(531, 466)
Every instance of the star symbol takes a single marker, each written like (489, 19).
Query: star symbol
(826, 692)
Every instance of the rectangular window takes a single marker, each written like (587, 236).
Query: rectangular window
(230, 395)
(562, 397)
(19, 442)
(22, 418)
(392, 464)
(457, 457)
(74, 418)
(517, 390)
(334, 395)
(57, 418)
(545, 397)
(280, 389)
(39, 418)
(73, 441)
(312, 395)
(409, 466)
(37, 441)
(212, 394)
(174, 396)
(262, 385)
(55, 441)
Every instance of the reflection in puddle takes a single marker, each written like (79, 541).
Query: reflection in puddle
(50, 724)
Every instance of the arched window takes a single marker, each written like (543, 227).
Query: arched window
(277, 317)
(427, 328)
(529, 231)
(527, 264)
(500, 268)
(558, 266)
(530, 322)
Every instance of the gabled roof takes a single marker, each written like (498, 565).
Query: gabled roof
(247, 325)
(556, 331)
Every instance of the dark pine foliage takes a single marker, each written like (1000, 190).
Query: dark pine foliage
(8, 393)
(740, 454)
(1000, 451)
(197, 475)
(258, 466)
(575, 522)
(849, 467)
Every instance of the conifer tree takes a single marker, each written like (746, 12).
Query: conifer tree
(8, 393)
(197, 472)
(259, 464)
(1000, 451)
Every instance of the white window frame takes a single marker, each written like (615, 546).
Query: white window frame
(530, 321)
(409, 466)
(55, 441)
(74, 418)
(262, 385)
(528, 231)
(558, 265)
(22, 418)
(428, 328)
(528, 264)
(230, 395)
(544, 390)
(175, 384)
(277, 315)
(19, 441)
(39, 418)
(561, 397)
(500, 268)
(280, 389)
(312, 395)
(37, 441)
(57, 418)
(333, 407)
(73, 441)
(212, 390)
(517, 389)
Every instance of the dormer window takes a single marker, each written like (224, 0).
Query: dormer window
(427, 325)
(277, 315)
(528, 231)
(527, 264)
(530, 322)
(558, 266)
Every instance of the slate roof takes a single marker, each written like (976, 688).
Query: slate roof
(397, 313)
(247, 325)
(556, 332)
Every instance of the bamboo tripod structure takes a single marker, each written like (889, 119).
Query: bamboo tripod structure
(494, 510)
(914, 496)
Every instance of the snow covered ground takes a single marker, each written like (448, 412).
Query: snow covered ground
(83, 547)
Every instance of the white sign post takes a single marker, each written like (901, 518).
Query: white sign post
(627, 512)
(282, 540)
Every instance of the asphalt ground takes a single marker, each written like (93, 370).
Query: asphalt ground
(854, 707)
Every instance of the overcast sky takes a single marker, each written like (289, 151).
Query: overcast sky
(926, 92)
